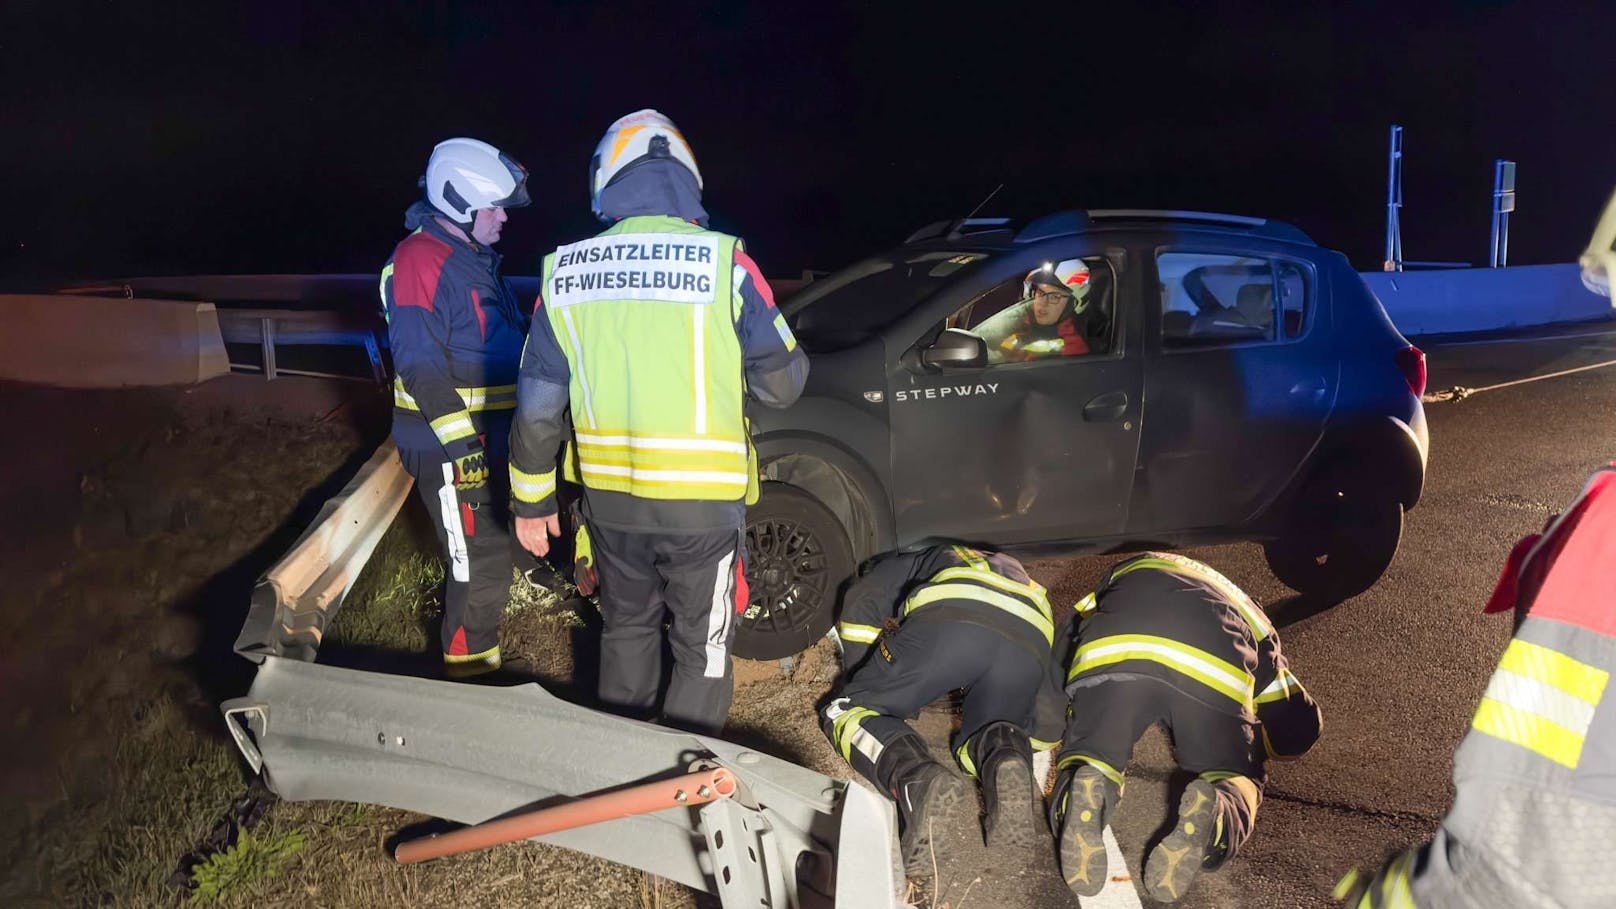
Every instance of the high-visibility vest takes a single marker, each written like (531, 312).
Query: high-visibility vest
(645, 313)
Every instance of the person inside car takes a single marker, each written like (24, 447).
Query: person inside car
(1049, 320)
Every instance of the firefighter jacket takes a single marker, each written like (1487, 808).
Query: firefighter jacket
(1534, 817)
(456, 333)
(1171, 618)
(959, 584)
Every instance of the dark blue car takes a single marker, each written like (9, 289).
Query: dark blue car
(1204, 378)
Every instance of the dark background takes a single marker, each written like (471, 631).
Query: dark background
(287, 137)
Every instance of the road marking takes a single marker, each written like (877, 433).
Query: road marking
(1119, 891)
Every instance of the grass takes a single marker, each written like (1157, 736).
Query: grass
(252, 860)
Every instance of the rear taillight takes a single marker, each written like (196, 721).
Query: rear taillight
(1411, 360)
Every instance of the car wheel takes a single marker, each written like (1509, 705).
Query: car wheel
(797, 558)
(1342, 538)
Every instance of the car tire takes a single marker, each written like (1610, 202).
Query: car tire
(797, 559)
(1342, 538)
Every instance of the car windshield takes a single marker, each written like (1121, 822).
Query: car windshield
(853, 304)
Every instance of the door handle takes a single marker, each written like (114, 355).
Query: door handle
(1106, 408)
(1312, 387)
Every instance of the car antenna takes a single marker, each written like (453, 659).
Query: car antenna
(984, 201)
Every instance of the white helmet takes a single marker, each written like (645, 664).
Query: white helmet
(464, 175)
(1071, 274)
(641, 136)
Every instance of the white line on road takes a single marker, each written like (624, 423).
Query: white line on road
(1119, 891)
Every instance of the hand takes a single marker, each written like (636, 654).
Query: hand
(534, 533)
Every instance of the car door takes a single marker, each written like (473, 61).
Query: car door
(1022, 452)
(1241, 378)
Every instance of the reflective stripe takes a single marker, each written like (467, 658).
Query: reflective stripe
(709, 477)
(1111, 773)
(453, 427)
(723, 606)
(698, 359)
(578, 364)
(786, 337)
(843, 735)
(1253, 614)
(971, 557)
(1041, 745)
(1032, 592)
(1395, 892)
(491, 397)
(1534, 661)
(489, 656)
(963, 753)
(1199, 665)
(532, 487)
(650, 443)
(455, 533)
(858, 634)
(931, 593)
(1086, 605)
(867, 744)
(381, 289)
(1280, 688)
(1541, 700)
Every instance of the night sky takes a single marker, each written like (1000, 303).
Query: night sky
(276, 137)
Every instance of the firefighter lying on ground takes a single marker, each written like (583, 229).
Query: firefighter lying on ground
(1167, 639)
(917, 626)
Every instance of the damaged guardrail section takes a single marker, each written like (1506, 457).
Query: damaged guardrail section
(297, 598)
(786, 837)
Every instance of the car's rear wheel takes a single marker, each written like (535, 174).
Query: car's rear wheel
(1342, 536)
(797, 559)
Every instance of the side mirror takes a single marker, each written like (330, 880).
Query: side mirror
(955, 349)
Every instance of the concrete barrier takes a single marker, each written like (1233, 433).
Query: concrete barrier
(1485, 299)
(88, 342)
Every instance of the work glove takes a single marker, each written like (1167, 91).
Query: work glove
(583, 561)
(471, 477)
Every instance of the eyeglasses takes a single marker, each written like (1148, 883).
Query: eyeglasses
(1051, 296)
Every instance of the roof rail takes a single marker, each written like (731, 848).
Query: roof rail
(955, 229)
(1069, 222)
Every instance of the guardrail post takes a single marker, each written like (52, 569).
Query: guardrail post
(267, 330)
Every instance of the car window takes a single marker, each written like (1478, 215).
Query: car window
(853, 304)
(1059, 309)
(1214, 299)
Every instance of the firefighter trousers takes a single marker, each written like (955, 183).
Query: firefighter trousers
(476, 543)
(921, 661)
(1108, 718)
(696, 583)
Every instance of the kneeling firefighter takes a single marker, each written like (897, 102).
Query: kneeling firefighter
(916, 626)
(1167, 639)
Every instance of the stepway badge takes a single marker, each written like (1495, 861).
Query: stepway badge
(946, 391)
(668, 268)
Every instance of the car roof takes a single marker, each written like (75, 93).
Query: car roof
(1005, 232)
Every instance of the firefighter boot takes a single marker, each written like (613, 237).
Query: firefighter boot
(932, 801)
(1003, 760)
(1198, 843)
(1084, 799)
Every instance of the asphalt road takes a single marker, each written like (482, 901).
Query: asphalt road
(1399, 669)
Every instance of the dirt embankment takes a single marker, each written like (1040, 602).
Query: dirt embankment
(137, 521)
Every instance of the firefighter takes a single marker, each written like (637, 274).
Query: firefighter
(916, 626)
(1535, 809)
(1049, 320)
(655, 333)
(1167, 639)
(456, 332)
